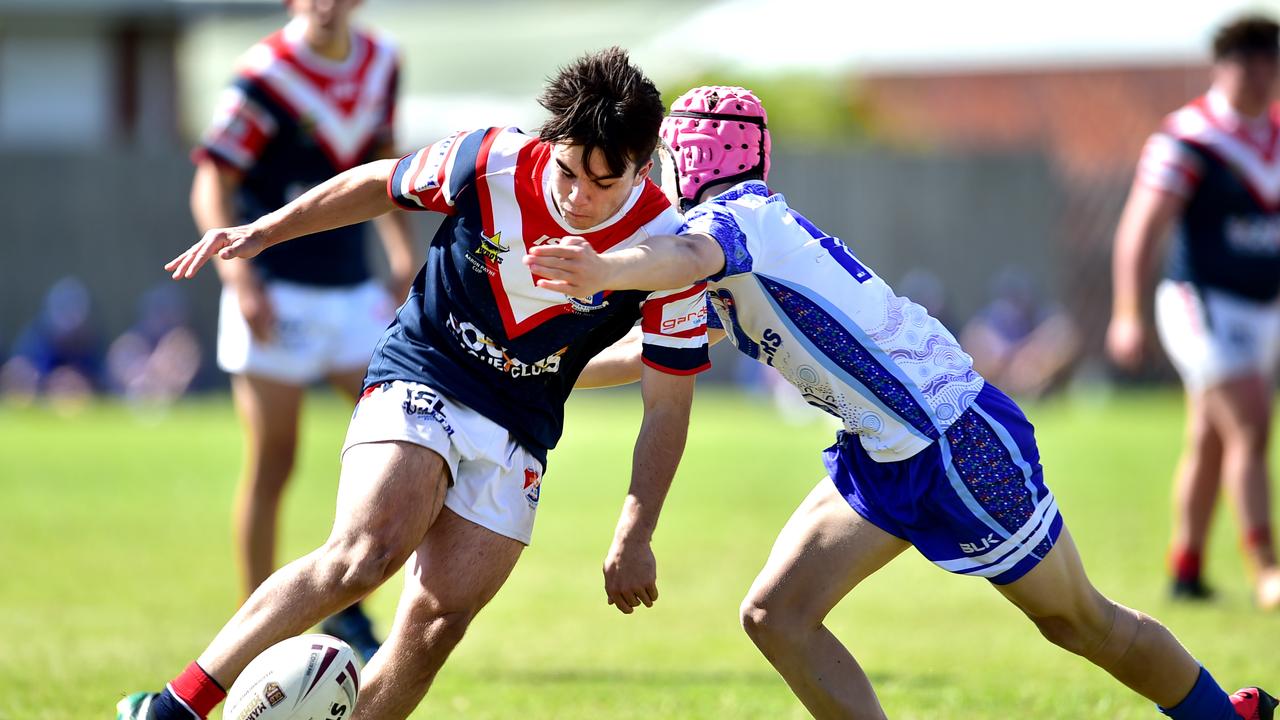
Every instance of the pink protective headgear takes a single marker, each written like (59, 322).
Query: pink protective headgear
(714, 134)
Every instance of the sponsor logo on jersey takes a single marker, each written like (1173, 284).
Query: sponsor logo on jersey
(422, 401)
(1254, 235)
(674, 320)
(479, 346)
(982, 545)
(274, 693)
(532, 487)
(488, 256)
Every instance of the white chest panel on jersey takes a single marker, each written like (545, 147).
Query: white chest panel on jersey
(798, 300)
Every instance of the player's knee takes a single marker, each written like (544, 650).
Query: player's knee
(360, 563)
(446, 629)
(767, 622)
(271, 459)
(1081, 629)
(1249, 438)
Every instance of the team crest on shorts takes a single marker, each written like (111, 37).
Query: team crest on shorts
(532, 487)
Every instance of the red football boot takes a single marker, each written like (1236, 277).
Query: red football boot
(1254, 704)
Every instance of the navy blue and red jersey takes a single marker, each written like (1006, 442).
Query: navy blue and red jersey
(476, 327)
(1227, 169)
(293, 119)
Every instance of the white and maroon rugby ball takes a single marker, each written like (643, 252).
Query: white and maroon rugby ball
(309, 677)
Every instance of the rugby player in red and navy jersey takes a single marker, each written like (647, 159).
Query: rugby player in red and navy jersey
(309, 101)
(1211, 174)
(443, 461)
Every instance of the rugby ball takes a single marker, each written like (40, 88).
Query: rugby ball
(309, 677)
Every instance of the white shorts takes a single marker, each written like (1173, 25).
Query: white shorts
(1212, 336)
(319, 331)
(494, 481)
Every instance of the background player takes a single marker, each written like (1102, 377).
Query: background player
(930, 456)
(310, 101)
(443, 462)
(1211, 172)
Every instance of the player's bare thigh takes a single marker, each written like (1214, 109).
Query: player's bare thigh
(389, 495)
(1057, 586)
(822, 553)
(459, 566)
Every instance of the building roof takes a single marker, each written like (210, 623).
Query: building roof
(930, 36)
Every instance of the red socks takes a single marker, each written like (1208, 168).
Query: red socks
(197, 690)
(1185, 564)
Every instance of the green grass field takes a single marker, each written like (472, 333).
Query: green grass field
(118, 570)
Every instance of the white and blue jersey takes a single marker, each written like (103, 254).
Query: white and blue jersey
(930, 453)
(477, 328)
(797, 299)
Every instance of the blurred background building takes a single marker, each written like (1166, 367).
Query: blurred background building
(950, 144)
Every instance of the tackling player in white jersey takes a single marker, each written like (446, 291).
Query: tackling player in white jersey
(930, 456)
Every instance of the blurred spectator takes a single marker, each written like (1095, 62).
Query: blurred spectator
(156, 359)
(1021, 342)
(925, 288)
(58, 354)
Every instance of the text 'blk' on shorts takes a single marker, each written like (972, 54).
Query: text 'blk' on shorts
(974, 502)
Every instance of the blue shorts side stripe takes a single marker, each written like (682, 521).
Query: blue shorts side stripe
(963, 492)
(1012, 446)
(1002, 558)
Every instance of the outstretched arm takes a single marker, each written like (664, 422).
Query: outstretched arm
(356, 195)
(630, 570)
(1148, 216)
(397, 240)
(662, 262)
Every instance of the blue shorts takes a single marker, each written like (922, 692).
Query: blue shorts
(974, 502)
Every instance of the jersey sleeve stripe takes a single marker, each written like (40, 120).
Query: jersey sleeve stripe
(674, 341)
(463, 165)
(396, 183)
(662, 364)
(1167, 164)
(226, 153)
(667, 296)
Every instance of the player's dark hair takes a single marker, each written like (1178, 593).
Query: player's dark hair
(602, 102)
(1247, 36)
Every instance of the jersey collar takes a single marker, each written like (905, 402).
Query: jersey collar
(295, 36)
(1233, 120)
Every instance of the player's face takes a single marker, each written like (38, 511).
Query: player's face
(1252, 77)
(587, 195)
(326, 14)
(1260, 73)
